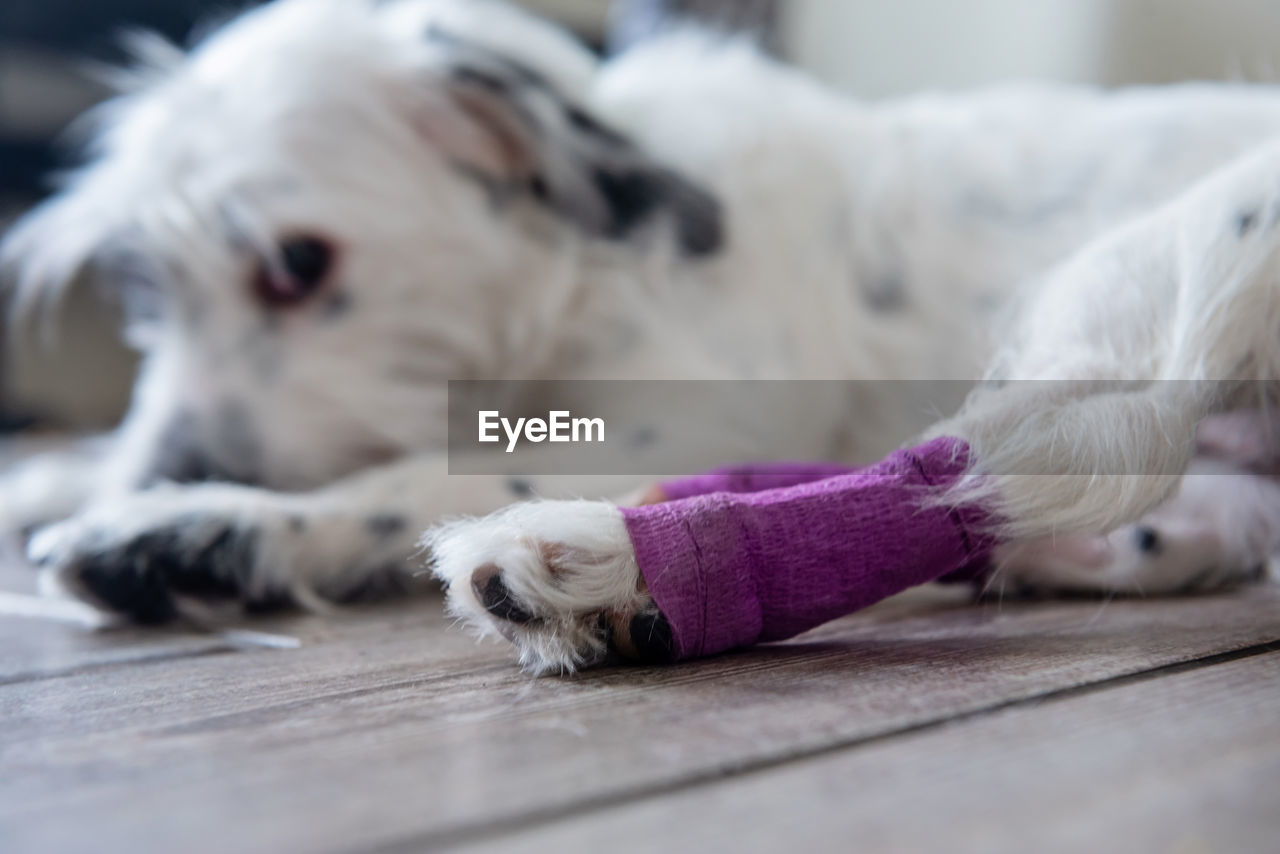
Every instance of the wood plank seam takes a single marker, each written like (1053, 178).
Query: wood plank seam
(231, 720)
(511, 825)
(115, 664)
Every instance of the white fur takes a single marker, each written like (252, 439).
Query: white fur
(1038, 233)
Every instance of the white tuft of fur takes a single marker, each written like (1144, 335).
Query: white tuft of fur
(1118, 356)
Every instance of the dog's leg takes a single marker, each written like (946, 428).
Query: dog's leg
(568, 582)
(560, 578)
(1130, 346)
(360, 535)
(1113, 362)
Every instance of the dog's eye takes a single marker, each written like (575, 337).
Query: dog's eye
(304, 264)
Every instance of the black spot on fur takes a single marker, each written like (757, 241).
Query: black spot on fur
(886, 294)
(1246, 221)
(652, 637)
(519, 488)
(605, 168)
(633, 197)
(497, 599)
(386, 525)
(298, 524)
(539, 189)
(700, 225)
(630, 196)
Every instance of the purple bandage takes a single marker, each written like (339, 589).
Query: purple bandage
(753, 555)
(754, 478)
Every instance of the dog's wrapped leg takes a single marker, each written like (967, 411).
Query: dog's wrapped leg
(568, 581)
(731, 570)
(753, 478)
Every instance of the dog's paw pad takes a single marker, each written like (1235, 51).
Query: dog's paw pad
(495, 597)
(141, 573)
(142, 596)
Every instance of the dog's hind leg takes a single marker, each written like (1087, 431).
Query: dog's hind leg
(1113, 360)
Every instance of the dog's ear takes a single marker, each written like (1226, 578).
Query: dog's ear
(509, 127)
(46, 250)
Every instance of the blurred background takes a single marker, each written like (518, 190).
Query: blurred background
(870, 48)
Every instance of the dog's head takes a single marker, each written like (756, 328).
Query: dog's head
(329, 207)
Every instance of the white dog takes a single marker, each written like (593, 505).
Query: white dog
(331, 207)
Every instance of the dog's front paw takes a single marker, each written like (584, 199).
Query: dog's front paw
(145, 555)
(558, 579)
(135, 556)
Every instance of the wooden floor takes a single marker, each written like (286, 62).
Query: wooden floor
(927, 723)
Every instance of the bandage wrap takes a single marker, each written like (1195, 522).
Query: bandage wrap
(754, 555)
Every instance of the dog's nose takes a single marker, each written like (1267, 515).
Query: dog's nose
(180, 456)
(192, 465)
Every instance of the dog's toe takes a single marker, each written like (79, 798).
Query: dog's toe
(496, 598)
